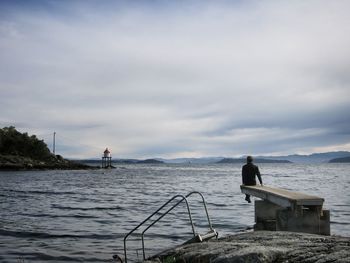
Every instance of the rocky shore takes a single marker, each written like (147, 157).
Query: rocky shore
(54, 162)
(262, 246)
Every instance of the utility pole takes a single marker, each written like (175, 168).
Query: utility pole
(54, 142)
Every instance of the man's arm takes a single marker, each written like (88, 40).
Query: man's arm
(243, 176)
(258, 174)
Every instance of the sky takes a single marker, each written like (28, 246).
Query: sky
(177, 78)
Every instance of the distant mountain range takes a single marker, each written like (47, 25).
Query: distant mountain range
(341, 160)
(256, 160)
(204, 160)
(295, 158)
(121, 161)
(312, 158)
(341, 156)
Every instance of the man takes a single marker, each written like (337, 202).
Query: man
(249, 171)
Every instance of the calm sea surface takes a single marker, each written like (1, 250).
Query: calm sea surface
(82, 216)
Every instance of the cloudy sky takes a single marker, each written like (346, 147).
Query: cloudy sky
(177, 78)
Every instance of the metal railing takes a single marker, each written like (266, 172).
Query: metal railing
(183, 198)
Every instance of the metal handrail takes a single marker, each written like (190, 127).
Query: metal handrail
(205, 206)
(189, 212)
(183, 198)
(168, 211)
(144, 221)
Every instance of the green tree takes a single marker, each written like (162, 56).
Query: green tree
(12, 142)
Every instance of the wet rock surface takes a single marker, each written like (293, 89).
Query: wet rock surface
(263, 246)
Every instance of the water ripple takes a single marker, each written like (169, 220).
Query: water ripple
(25, 234)
(86, 208)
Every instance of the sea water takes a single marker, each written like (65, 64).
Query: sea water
(83, 216)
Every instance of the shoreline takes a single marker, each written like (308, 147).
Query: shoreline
(55, 162)
(17, 169)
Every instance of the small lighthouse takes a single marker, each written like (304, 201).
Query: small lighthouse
(106, 159)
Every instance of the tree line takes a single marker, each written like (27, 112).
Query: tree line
(13, 142)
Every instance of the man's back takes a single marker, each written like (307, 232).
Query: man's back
(249, 171)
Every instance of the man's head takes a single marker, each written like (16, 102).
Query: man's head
(249, 159)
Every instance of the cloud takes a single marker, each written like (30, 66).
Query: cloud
(196, 77)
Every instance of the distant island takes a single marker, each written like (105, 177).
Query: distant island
(256, 160)
(20, 151)
(150, 161)
(294, 158)
(310, 158)
(122, 161)
(340, 160)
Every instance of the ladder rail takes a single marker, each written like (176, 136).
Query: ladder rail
(159, 218)
(205, 206)
(149, 217)
(182, 199)
(169, 210)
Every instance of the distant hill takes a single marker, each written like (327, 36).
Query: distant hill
(340, 160)
(312, 158)
(203, 160)
(121, 161)
(98, 161)
(150, 161)
(294, 158)
(256, 160)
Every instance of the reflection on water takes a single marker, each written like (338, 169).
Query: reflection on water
(83, 216)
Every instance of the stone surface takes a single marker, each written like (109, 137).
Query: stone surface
(263, 246)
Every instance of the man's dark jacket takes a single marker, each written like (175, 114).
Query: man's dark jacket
(248, 174)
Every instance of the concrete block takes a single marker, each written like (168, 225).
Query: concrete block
(325, 227)
(269, 225)
(307, 222)
(258, 226)
(265, 210)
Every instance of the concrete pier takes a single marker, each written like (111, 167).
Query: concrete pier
(283, 210)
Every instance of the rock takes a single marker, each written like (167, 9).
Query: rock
(263, 246)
